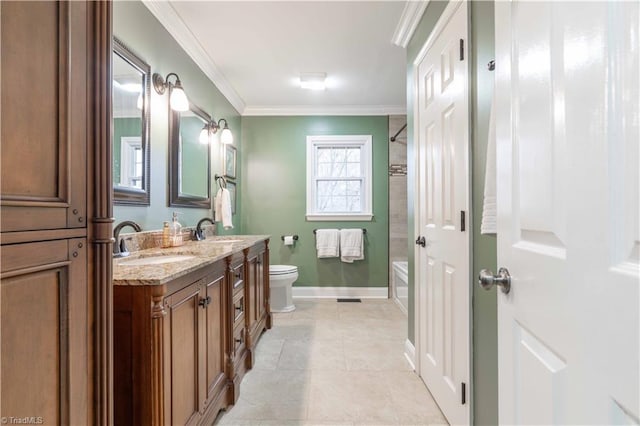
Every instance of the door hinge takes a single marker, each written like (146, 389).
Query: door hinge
(463, 226)
(461, 49)
(463, 392)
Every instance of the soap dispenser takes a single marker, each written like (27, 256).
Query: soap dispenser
(175, 231)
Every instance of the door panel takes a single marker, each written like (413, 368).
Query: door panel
(44, 58)
(567, 99)
(44, 332)
(443, 193)
(216, 313)
(184, 312)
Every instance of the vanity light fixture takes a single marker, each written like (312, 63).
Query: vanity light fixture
(226, 137)
(211, 128)
(313, 80)
(178, 99)
(206, 132)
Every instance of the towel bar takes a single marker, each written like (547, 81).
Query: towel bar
(364, 231)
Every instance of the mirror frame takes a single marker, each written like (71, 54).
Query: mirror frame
(123, 195)
(175, 197)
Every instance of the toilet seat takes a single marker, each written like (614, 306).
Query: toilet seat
(282, 269)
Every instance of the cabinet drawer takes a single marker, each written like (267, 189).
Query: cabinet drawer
(237, 278)
(238, 308)
(238, 341)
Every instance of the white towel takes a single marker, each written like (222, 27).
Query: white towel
(327, 243)
(351, 245)
(222, 206)
(489, 206)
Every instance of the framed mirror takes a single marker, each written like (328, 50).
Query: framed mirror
(189, 160)
(130, 138)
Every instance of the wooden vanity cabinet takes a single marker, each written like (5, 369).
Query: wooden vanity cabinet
(170, 350)
(258, 317)
(182, 348)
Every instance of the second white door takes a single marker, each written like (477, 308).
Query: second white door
(442, 169)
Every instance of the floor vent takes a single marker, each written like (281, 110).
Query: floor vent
(350, 300)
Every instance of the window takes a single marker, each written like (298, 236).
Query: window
(339, 178)
(131, 161)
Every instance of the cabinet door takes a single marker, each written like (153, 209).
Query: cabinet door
(184, 311)
(256, 292)
(215, 324)
(44, 332)
(44, 114)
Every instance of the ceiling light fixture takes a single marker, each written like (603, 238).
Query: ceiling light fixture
(177, 98)
(313, 80)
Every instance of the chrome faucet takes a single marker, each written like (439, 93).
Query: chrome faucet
(199, 233)
(120, 249)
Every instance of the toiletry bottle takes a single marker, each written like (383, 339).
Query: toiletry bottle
(166, 235)
(175, 231)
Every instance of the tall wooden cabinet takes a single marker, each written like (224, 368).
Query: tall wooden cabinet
(49, 149)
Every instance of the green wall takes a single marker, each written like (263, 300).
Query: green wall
(484, 311)
(485, 321)
(123, 127)
(274, 196)
(140, 31)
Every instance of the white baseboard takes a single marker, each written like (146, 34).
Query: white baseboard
(410, 353)
(340, 292)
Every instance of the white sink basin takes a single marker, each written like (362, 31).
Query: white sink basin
(224, 241)
(155, 260)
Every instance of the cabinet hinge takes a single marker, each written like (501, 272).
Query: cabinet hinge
(463, 224)
(461, 49)
(463, 392)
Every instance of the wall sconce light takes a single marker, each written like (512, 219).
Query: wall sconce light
(178, 99)
(211, 128)
(226, 137)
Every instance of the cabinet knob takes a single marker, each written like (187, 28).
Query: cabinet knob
(204, 302)
(238, 274)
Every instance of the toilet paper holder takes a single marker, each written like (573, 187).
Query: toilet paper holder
(295, 238)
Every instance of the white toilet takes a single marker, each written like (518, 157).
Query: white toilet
(281, 279)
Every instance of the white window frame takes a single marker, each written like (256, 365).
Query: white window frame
(366, 159)
(128, 144)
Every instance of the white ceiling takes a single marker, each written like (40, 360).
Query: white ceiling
(254, 51)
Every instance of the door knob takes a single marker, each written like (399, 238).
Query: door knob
(486, 279)
(421, 241)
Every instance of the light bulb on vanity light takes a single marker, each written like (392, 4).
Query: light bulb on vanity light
(177, 98)
(205, 134)
(226, 137)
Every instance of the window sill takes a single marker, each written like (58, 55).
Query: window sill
(340, 217)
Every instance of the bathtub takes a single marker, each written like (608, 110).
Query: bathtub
(399, 283)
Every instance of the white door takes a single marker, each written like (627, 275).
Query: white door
(567, 171)
(442, 281)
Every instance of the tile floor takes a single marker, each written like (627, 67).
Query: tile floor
(330, 363)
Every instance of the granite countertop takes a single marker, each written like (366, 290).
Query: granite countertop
(201, 253)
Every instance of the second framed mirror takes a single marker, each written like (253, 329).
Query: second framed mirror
(189, 160)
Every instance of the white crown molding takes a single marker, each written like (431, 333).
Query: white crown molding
(325, 110)
(340, 292)
(169, 18)
(408, 22)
